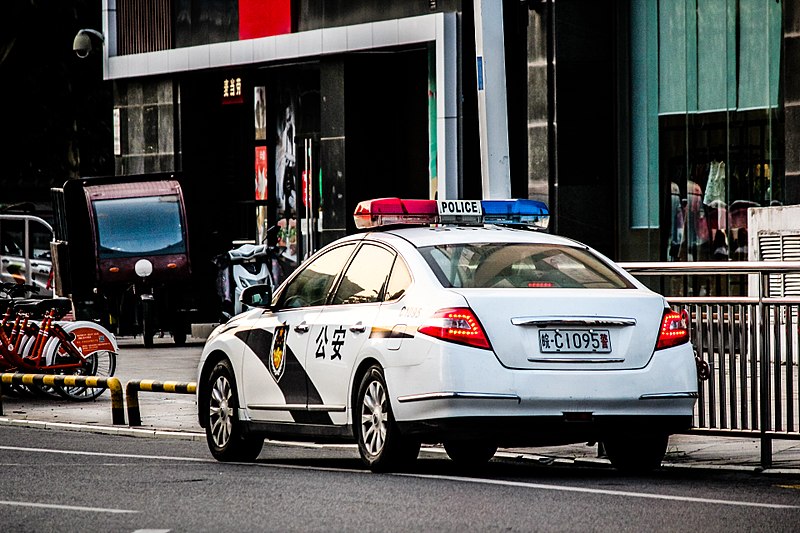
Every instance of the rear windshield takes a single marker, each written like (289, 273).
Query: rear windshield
(539, 266)
(130, 227)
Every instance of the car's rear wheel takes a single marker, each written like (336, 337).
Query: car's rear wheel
(636, 453)
(380, 443)
(470, 453)
(225, 434)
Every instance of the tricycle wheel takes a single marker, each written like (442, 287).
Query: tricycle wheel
(179, 338)
(147, 321)
(148, 329)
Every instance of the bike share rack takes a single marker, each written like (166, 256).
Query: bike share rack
(111, 383)
(132, 389)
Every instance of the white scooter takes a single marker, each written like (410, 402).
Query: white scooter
(240, 268)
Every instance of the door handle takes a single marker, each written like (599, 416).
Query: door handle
(358, 327)
(302, 327)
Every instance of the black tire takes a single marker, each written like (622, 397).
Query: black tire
(381, 445)
(179, 338)
(225, 434)
(636, 453)
(147, 340)
(148, 325)
(470, 453)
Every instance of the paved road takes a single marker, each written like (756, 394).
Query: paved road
(68, 481)
(177, 412)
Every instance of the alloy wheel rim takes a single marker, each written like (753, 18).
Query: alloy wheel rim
(220, 415)
(374, 418)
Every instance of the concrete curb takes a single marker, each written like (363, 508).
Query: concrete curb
(547, 460)
(106, 430)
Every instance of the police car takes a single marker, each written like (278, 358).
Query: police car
(451, 323)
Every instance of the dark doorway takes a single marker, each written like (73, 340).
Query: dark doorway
(218, 175)
(386, 102)
(586, 93)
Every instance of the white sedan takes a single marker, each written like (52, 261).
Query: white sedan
(473, 336)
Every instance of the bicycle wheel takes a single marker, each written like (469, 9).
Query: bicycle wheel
(101, 364)
(44, 391)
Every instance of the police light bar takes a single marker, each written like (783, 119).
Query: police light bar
(464, 212)
(394, 211)
(529, 213)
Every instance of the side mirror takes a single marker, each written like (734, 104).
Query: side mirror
(257, 296)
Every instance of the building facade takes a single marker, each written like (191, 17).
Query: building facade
(648, 126)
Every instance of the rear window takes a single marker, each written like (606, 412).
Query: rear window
(539, 266)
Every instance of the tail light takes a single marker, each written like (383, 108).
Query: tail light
(674, 330)
(456, 324)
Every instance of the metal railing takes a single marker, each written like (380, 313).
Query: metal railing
(27, 261)
(751, 345)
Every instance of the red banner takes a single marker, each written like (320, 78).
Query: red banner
(261, 172)
(262, 18)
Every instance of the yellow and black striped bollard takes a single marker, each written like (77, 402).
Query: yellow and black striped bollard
(132, 389)
(111, 383)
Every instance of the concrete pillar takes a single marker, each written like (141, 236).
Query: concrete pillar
(492, 108)
(447, 96)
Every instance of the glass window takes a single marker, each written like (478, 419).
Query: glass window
(311, 286)
(540, 266)
(700, 62)
(365, 277)
(12, 238)
(131, 227)
(399, 281)
(40, 238)
(707, 136)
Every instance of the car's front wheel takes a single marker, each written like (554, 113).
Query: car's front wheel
(636, 453)
(380, 443)
(225, 435)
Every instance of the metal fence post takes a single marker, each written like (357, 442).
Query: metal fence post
(764, 393)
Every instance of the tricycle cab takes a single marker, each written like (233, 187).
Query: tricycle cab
(135, 221)
(121, 250)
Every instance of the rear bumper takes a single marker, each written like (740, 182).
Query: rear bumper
(510, 431)
(464, 382)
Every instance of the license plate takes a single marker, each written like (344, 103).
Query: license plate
(574, 341)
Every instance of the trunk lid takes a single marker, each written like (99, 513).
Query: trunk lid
(569, 329)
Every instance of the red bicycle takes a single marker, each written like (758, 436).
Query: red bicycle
(33, 341)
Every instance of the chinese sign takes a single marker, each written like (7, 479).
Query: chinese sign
(232, 91)
(330, 346)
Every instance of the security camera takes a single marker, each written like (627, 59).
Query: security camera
(82, 44)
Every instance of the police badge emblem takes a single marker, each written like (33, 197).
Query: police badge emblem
(277, 359)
